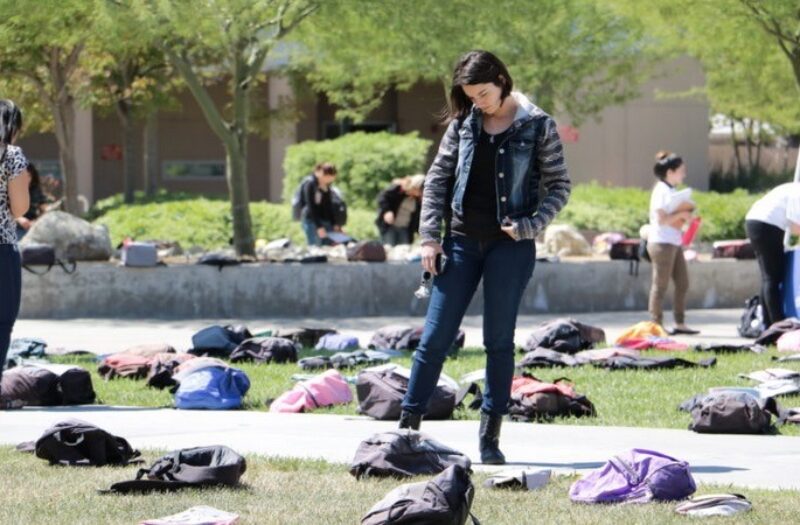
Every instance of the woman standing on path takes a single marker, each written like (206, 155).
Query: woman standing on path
(14, 202)
(664, 241)
(484, 183)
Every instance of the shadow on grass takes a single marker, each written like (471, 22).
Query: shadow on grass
(714, 469)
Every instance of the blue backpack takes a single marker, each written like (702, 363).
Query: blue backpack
(213, 388)
(218, 341)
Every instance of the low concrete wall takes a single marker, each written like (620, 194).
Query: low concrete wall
(344, 290)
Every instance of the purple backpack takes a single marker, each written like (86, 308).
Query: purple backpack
(637, 476)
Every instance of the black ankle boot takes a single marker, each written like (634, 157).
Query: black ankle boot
(409, 420)
(489, 443)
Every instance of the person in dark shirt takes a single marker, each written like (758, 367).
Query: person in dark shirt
(398, 210)
(38, 203)
(318, 217)
(498, 151)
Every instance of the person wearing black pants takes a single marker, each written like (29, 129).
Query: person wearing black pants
(766, 224)
(767, 242)
(14, 202)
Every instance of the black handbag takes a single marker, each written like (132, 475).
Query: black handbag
(43, 255)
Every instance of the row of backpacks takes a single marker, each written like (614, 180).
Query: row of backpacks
(635, 476)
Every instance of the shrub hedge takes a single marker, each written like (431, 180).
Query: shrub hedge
(206, 221)
(366, 162)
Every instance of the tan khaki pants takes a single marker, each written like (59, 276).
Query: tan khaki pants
(668, 262)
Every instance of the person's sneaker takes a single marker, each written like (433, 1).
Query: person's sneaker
(11, 404)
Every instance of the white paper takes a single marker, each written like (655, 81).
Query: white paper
(200, 515)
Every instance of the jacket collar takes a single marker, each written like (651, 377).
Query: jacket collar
(526, 111)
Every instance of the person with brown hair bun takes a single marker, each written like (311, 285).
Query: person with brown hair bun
(667, 217)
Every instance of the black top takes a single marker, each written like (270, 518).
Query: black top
(318, 207)
(479, 221)
(390, 199)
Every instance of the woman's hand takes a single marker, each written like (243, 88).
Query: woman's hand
(511, 229)
(388, 217)
(430, 250)
(24, 223)
(322, 233)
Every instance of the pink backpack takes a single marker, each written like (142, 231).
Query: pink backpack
(326, 389)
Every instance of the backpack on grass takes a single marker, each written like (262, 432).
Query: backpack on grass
(637, 476)
(78, 443)
(404, 453)
(190, 467)
(444, 500)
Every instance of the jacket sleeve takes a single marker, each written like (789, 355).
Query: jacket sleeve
(437, 182)
(555, 179)
(312, 210)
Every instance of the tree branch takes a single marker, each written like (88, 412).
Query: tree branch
(218, 124)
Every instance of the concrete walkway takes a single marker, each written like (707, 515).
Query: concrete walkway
(746, 461)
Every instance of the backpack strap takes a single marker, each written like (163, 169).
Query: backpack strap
(28, 268)
(69, 267)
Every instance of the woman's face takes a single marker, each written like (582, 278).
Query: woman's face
(486, 97)
(676, 176)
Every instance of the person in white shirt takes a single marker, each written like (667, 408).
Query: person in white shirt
(766, 224)
(667, 216)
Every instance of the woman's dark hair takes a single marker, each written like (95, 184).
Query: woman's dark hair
(10, 121)
(476, 67)
(36, 180)
(665, 161)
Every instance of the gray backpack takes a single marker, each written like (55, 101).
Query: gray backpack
(139, 255)
(403, 454)
(380, 391)
(444, 500)
(732, 413)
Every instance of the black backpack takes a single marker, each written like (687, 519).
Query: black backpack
(403, 454)
(266, 350)
(339, 207)
(78, 443)
(751, 323)
(444, 500)
(189, 467)
(299, 202)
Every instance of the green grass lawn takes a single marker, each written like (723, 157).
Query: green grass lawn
(286, 491)
(622, 398)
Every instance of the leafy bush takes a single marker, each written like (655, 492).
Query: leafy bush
(366, 163)
(754, 181)
(206, 222)
(602, 208)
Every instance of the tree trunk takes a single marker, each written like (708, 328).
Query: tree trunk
(736, 158)
(64, 116)
(128, 150)
(234, 137)
(236, 165)
(150, 157)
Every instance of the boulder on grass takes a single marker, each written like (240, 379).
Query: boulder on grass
(72, 237)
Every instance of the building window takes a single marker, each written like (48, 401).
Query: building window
(332, 130)
(194, 169)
